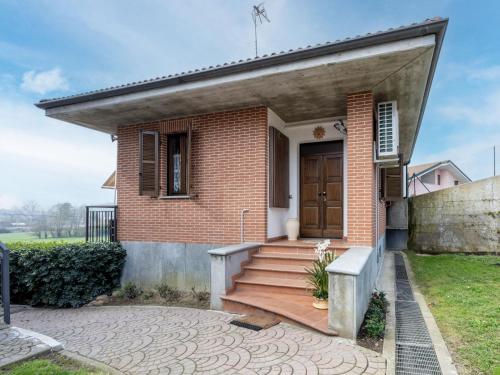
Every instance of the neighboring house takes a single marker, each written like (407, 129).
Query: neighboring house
(429, 177)
(110, 182)
(227, 154)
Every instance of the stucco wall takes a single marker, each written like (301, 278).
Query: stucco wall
(464, 218)
(431, 184)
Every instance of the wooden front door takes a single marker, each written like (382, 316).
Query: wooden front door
(321, 190)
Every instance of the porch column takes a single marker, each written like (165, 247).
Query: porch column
(360, 169)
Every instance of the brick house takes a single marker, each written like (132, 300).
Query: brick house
(227, 154)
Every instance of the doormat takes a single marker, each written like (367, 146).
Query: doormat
(255, 322)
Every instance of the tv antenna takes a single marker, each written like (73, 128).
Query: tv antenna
(258, 12)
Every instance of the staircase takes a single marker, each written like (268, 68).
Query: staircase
(274, 281)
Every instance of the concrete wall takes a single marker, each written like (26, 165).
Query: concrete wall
(397, 225)
(352, 279)
(464, 218)
(226, 263)
(181, 265)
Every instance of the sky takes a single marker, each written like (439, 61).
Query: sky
(61, 47)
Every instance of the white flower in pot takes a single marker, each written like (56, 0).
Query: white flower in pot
(318, 276)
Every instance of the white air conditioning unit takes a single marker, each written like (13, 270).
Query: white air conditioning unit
(387, 132)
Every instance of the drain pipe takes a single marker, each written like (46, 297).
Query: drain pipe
(242, 223)
(377, 172)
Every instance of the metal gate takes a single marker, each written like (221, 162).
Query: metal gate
(4, 260)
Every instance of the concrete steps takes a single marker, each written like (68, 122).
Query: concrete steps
(274, 281)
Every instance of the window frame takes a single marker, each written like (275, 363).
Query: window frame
(186, 193)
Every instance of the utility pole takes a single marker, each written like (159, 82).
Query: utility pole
(494, 161)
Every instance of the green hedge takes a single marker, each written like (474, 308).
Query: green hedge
(64, 274)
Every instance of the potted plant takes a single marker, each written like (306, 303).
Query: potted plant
(318, 276)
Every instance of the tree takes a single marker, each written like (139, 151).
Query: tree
(60, 219)
(30, 212)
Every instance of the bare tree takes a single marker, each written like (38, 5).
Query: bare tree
(30, 210)
(60, 219)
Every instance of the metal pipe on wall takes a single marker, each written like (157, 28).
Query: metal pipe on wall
(242, 224)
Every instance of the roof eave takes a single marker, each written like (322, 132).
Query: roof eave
(437, 27)
(440, 32)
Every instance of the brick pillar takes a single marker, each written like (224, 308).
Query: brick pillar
(360, 169)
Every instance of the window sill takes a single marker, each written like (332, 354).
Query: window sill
(176, 197)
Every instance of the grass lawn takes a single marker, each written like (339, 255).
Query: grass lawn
(28, 236)
(463, 293)
(51, 364)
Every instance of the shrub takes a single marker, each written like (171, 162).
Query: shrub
(64, 274)
(168, 293)
(148, 294)
(201, 296)
(374, 324)
(375, 328)
(130, 290)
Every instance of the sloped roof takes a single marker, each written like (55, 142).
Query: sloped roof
(110, 182)
(421, 169)
(249, 63)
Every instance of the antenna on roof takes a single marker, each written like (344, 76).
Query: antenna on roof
(259, 12)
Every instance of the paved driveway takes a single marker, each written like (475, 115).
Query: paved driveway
(154, 340)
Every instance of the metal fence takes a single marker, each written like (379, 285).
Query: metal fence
(100, 224)
(4, 260)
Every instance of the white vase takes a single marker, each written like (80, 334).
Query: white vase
(292, 229)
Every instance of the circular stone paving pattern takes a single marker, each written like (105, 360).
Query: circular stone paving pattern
(166, 340)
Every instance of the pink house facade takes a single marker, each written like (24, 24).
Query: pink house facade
(426, 178)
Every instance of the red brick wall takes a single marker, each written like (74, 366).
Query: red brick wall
(360, 169)
(228, 173)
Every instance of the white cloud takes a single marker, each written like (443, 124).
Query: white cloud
(485, 113)
(469, 128)
(44, 82)
(489, 73)
(50, 161)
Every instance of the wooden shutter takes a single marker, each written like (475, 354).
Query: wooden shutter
(188, 160)
(148, 163)
(393, 184)
(279, 181)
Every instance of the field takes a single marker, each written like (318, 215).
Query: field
(463, 293)
(30, 237)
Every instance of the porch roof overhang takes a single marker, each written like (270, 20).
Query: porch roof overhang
(304, 84)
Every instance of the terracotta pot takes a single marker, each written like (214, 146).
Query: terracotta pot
(321, 304)
(292, 229)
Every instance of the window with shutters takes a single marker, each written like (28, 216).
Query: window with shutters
(177, 164)
(148, 163)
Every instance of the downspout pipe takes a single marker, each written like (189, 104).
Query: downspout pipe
(242, 224)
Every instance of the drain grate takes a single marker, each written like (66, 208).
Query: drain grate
(413, 360)
(410, 325)
(401, 273)
(415, 353)
(403, 291)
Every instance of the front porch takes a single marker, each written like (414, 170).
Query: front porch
(271, 278)
(274, 281)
